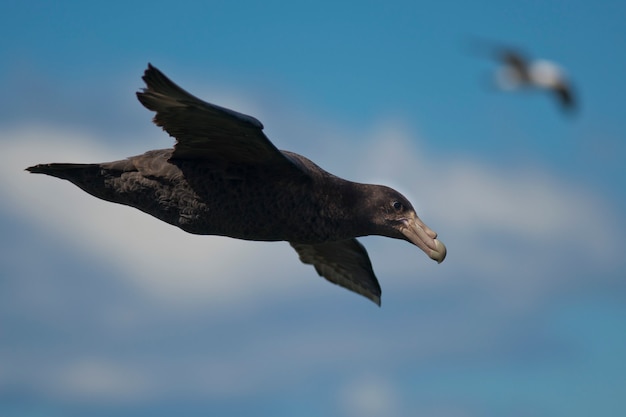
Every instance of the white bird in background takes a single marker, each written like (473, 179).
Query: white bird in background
(518, 71)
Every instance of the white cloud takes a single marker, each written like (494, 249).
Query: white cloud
(100, 380)
(369, 396)
(373, 395)
(473, 197)
(515, 229)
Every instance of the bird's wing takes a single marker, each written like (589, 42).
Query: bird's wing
(516, 61)
(565, 96)
(344, 263)
(205, 131)
(514, 58)
(510, 56)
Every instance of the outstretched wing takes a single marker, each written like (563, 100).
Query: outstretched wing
(515, 60)
(565, 96)
(205, 131)
(344, 263)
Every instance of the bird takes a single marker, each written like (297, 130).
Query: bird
(224, 177)
(517, 71)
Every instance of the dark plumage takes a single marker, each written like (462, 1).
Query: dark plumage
(224, 177)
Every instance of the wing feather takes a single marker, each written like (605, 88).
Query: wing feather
(344, 263)
(206, 131)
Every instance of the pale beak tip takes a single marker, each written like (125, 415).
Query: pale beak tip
(439, 253)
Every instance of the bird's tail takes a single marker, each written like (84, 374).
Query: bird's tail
(64, 171)
(76, 173)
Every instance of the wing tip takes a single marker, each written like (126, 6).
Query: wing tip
(160, 88)
(372, 294)
(152, 75)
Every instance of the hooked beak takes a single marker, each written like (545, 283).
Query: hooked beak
(416, 232)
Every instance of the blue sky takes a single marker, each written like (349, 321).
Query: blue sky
(104, 310)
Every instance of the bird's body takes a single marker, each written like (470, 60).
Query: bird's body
(229, 201)
(224, 177)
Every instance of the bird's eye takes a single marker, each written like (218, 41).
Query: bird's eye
(397, 205)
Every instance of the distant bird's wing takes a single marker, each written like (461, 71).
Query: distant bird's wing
(344, 263)
(515, 62)
(513, 58)
(205, 131)
(565, 96)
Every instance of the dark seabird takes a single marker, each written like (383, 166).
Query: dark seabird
(224, 177)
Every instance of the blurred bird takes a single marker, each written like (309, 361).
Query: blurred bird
(518, 71)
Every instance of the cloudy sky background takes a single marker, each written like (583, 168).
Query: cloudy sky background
(104, 310)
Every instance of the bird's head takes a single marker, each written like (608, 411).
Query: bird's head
(394, 216)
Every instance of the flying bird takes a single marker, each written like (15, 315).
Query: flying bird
(518, 71)
(224, 177)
